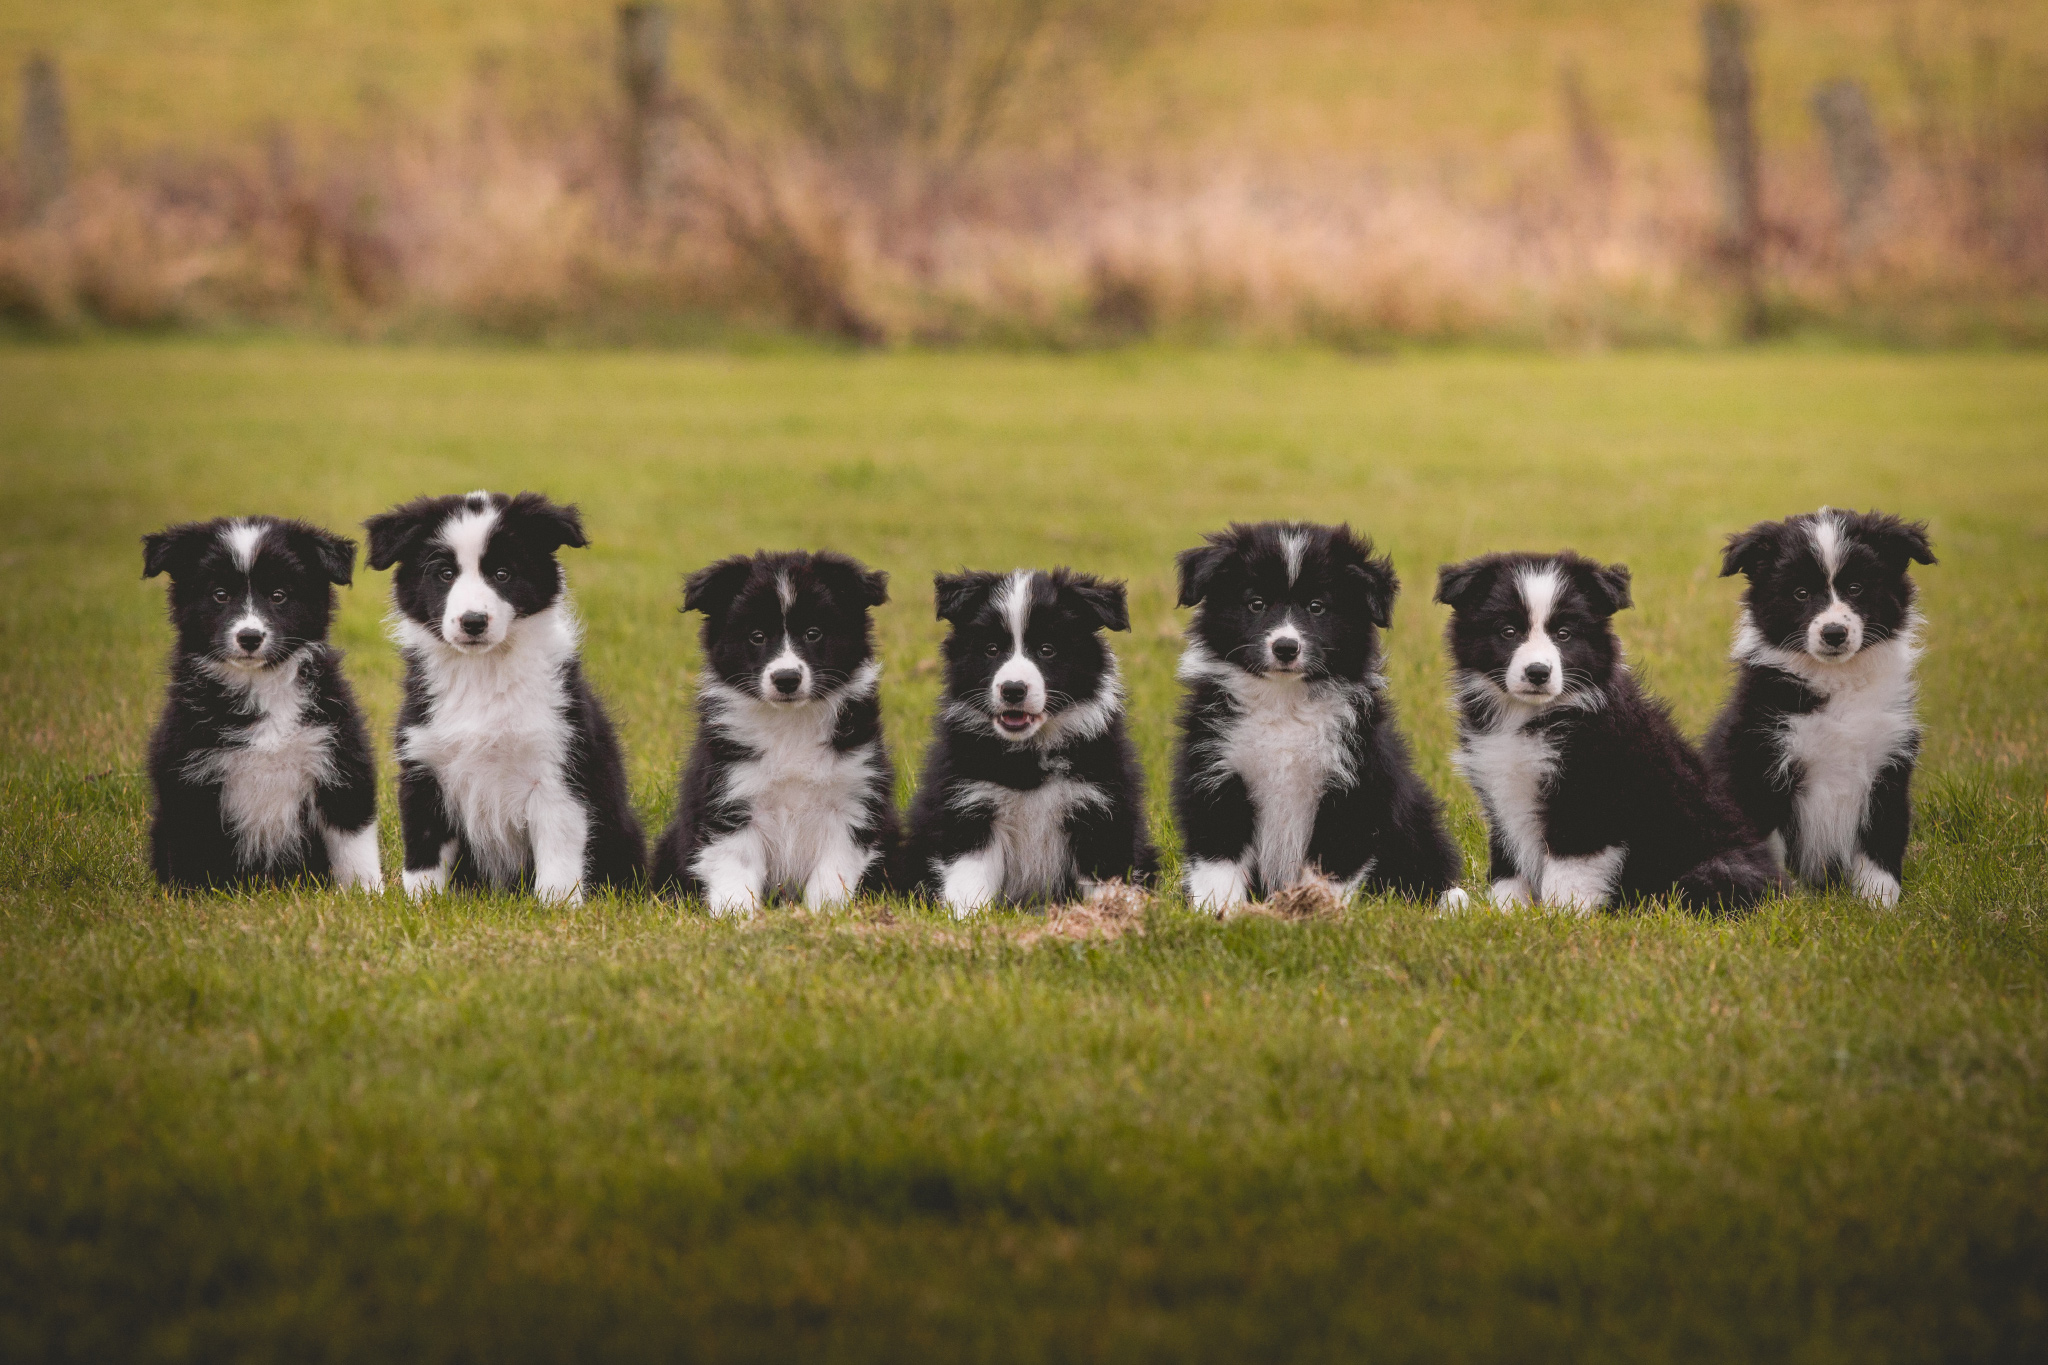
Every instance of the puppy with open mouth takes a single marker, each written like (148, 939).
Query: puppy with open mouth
(1031, 789)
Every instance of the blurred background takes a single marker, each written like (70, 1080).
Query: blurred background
(1037, 173)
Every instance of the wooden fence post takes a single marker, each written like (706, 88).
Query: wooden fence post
(1731, 96)
(643, 74)
(45, 136)
(1855, 150)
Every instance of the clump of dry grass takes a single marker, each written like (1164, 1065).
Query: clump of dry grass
(1310, 898)
(1112, 911)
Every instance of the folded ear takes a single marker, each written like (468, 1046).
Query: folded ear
(711, 589)
(1749, 551)
(399, 533)
(1104, 597)
(960, 595)
(175, 549)
(1605, 585)
(336, 555)
(1375, 577)
(546, 522)
(1198, 570)
(850, 579)
(1897, 541)
(1459, 586)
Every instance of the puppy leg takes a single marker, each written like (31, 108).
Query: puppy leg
(734, 871)
(1878, 866)
(352, 858)
(559, 828)
(1217, 884)
(1508, 888)
(430, 843)
(971, 881)
(1583, 884)
(838, 873)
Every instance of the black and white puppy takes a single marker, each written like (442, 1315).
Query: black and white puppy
(1592, 795)
(1818, 740)
(1031, 789)
(508, 768)
(1291, 765)
(261, 764)
(789, 787)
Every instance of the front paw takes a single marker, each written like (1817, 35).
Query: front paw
(1510, 893)
(730, 902)
(1873, 883)
(1216, 886)
(569, 895)
(424, 882)
(1453, 901)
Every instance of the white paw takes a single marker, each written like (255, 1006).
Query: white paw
(1873, 883)
(1215, 885)
(557, 894)
(1453, 901)
(1510, 893)
(425, 882)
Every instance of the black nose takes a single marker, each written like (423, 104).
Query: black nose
(475, 622)
(1834, 635)
(249, 640)
(786, 680)
(1286, 651)
(1014, 692)
(1538, 674)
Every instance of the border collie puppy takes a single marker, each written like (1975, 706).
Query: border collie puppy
(1818, 740)
(508, 769)
(1592, 795)
(789, 787)
(261, 765)
(1291, 765)
(1031, 790)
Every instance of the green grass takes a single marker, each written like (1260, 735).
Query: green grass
(302, 1126)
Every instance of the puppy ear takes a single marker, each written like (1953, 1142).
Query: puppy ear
(1605, 585)
(1381, 585)
(851, 579)
(1198, 570)
(336, 555)
(1104, 597)
(959, 595)
(712, 589)
(1897, 541)
(1461, 585)
(175, 549)
(549, 523)
(398, 533)
(1751, 550)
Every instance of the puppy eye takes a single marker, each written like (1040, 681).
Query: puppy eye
(1315, 608)
(757, 637)
(1046, 651)
(1255, 605)
(1855, 588)
(1507, 632)
(221, 595)
(278, 594)
(813, 635)
(447, 574)
(994, 650)
(1800, 594)
(503, 575)
(1561, 633)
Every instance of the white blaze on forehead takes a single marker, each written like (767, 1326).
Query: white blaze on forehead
(785, 590)
(1013, 602)
(468, 533)
(241, 538)
(1539, 588)
(1292, 543)
(1825, 531)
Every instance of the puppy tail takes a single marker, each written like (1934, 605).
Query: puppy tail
(1731, 882)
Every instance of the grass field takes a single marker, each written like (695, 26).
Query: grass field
(304, 1126)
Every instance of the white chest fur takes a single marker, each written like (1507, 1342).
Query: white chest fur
(1028, 832)
(1837, 750)
(268, 776)
(496, 738)
(1509, 764)
(803, 797)
(1290, 742)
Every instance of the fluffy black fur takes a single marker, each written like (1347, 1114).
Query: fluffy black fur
(1592, 795)
(789, 787)
(1818, 740)
(1031, 788)
(260, 763)
(1291, 763)
(509, 769)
